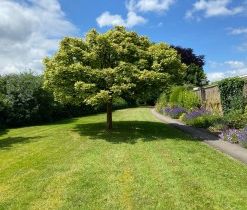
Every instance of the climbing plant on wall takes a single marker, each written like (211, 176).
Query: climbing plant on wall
(231, 93)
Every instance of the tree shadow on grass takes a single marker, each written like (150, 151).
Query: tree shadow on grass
(131, 131)
(8, 142)
(3, 131)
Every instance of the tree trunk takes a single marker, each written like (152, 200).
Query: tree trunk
(109, 115)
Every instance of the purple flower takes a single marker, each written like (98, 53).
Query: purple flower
(242, 136)
(235, 136)
(174, 112)
(196, 113)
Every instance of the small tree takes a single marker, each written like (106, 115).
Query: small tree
(100, 67)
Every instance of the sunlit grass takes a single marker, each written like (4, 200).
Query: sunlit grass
(141, 164)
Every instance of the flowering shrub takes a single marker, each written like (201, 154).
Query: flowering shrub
(200, 118)
(235, 136)
(230, 135)
(195, 113)
(174, 112)
(242, 137)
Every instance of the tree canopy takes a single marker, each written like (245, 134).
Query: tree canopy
(194, 74)
(119, 63)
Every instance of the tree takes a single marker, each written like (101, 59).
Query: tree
(100, 67)
(189, 57)
(194, 74)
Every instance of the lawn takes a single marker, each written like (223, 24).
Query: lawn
(141, 164)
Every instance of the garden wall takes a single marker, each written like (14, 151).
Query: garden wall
(210, 97)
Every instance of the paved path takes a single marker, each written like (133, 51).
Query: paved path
(234, 150)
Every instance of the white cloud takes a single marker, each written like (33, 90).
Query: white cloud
(107, 19)
(212, 8)
(29, 31)
(226, 69)
(150, 5)
(242, 47)
(238, 31)
(215, 76)
(235, 64)
(133, 8)
(134, 19)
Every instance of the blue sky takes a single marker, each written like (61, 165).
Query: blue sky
(214, 28)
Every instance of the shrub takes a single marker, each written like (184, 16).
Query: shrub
(231, 93)
(230, 135)
(242, 137)
(174, 112)
(161, 102)
(218, 126)
(204, 121)
(189, 99)
(235, 119)
(180, 96)
(235, 136)
(23, 101)
(195, 113)
(119, 103)
(200, 118)
(176, 91)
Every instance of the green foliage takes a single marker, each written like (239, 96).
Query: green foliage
(235, 119)
(195, 75)
(176, 91)
(119, 103)
(19, 96)
(182, 97)
(117, 63)
(231, 92)
(161, 102)
(23, 101)
(204, 121)
(189, 99)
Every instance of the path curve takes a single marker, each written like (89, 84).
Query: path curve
(233, 150)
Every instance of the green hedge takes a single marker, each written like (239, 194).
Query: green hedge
(231, 93)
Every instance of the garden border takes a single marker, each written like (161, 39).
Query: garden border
(233, 150)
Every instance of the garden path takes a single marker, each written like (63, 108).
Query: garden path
(233, 150)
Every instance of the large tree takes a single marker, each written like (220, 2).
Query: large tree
(194, 73)
(118, 63)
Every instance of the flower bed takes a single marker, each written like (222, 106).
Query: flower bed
(235, 136)
(174, 112)
(202, 118)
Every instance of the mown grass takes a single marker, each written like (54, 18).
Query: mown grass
(141, 164)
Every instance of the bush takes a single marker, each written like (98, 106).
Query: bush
(180, 96)
(23, 101)
(119, 103)
(235, 119)
(204, 121)
(200, 118)
(189, 99)
(176, 91)
(235, 136)
(161, 102)
(174, 112)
